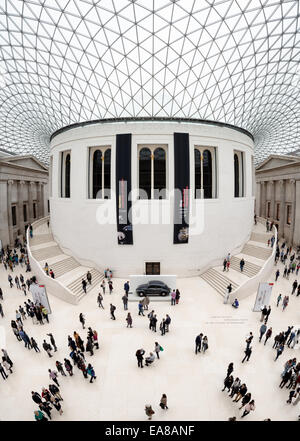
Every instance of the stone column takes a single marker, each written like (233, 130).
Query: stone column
(272, 201)
(282, 208)
(262, 211)
(293, 198)
(30, 202)
(9, 215)
(296, 238)
(20, 206)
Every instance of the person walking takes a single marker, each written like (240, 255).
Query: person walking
(91, 372)
(82, 320)
(149, 411)
(68, 366)
(52, 341)
(249, 340)
(110, 286)
(242, 264)
(245, 400)
(267, 314)
(47, 348)
(177, 296)
(141, 308)
(264, 311)
(55, 391)
(95, 339)
(146, 302)
(129, 320)
(204, 344)
(279, 299)
(84, 283)
(198, 343)
(53, 376)
(295, 284)
(224, 264)
(167, 321)
(235, 387)
(277, 274)
(229, 369)
(36, 397)
(112, 311)
(3, 373)
(268, 335)
(162, 327)
(103, 286)
(140, 357)
(241, 393)
(285, 302)
(45, 407)
(163, 402)
(10, 281)
(99, 300)
(39, 416)
(280, 350)
(1, 311)
(60, 369)
(125, 302)
(262, 331)
(249, 407)
(248, 353)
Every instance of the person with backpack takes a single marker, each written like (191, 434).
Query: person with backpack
(157, 349)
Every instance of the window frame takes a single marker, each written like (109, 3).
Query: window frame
(63, 157)
(92, 150)
(213, 152)
(14, 216)
(288, 211)
(152, 148)
(241, 164)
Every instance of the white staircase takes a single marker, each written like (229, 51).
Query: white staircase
(64, 266)
(256, 251)
(47, 252)
(218, 281)
(250, 269)
(76, 285)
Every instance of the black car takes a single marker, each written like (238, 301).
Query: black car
(153, 288)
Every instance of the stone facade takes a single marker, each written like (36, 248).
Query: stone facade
(278, 194)
(23, 194)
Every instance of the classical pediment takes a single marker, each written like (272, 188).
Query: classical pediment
(26, 161)
(276, 161)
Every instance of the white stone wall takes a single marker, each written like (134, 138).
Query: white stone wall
(227, 221)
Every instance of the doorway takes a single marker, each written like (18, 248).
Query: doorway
(152, 268)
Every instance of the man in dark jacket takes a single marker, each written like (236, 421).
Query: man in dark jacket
(198, 342)
(139, 355)
(36, 397)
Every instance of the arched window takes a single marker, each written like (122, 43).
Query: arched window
(145, 173)
(236, 176)
(207, 174)
(100, 170)
(205, 180)
(67, 175)
(159, 173)
(97, 174)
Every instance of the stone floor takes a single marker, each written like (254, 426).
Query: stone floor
(192, 382)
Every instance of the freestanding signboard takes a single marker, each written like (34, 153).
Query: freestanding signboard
(39, 295)
(263, 296)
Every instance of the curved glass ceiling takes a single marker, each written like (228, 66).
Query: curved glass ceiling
(67, 61)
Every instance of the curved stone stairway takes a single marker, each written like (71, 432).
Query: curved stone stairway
(255, 252)
(67, 270)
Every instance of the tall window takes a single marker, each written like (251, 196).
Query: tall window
(268, 208)
(100, 171)
(205, 172)
(289, 214)
(277, 211)
(34, 209)
(14, 215)
(239, 190)
(152, 172)
(25, 212)
(65, 181)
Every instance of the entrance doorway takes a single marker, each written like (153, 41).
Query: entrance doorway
(152, 268)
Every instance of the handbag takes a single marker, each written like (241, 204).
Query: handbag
(161, 348)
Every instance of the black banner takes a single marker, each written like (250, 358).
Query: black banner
(123, 188)
(181, 187)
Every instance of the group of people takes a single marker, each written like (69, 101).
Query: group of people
(164, 324)
(238, 391)
(49, 272)
(163, 404)
(201, 343)
(290, 376)
(5, 365)
(151, 358)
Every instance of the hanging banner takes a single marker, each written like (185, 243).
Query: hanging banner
(39, 295)
(123, 188)
(263, 296)
(181, 187)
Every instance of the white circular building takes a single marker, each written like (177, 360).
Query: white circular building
(151, 196)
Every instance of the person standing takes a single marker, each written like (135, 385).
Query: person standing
(235, 387)
(125, 302)
(52, 341)
(177, 296)
(245, 400)
(1, 311)
(228, 383)
(140, 357)
(146, 302)
(129, 320)
(173, 297)
(36, 397)
(224, 264)
(277, 274)
(263, 313)
(198, 343)
(82, 320)
(285, 302)
(229, 369)
(60, 369)
(84, 283)
(53, 376)
(3, 373)
(295, 284)
(249, 340)
(47, 348)
(103, 286)
(153, 323)
(95, 339)
(163, 402)
(242, 264)
(112, 311)
(89, 277)
(68, 366)
(91, 372)
(168, 322)
(126, 288)
(149, 411)
(99, 300)
(162, 327)
(241, 393)
(204, 344)
(110, 286)
(262, 331)
(157, 349)
(268, 314)
(268, 335)
(39, 416)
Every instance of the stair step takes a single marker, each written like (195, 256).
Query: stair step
(41, 238)
(250, 269)
(255, 251)
(45, 253)
(76, 285)
(64, 266)
(260, 237)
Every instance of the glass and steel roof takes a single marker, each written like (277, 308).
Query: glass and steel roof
(68, 61)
